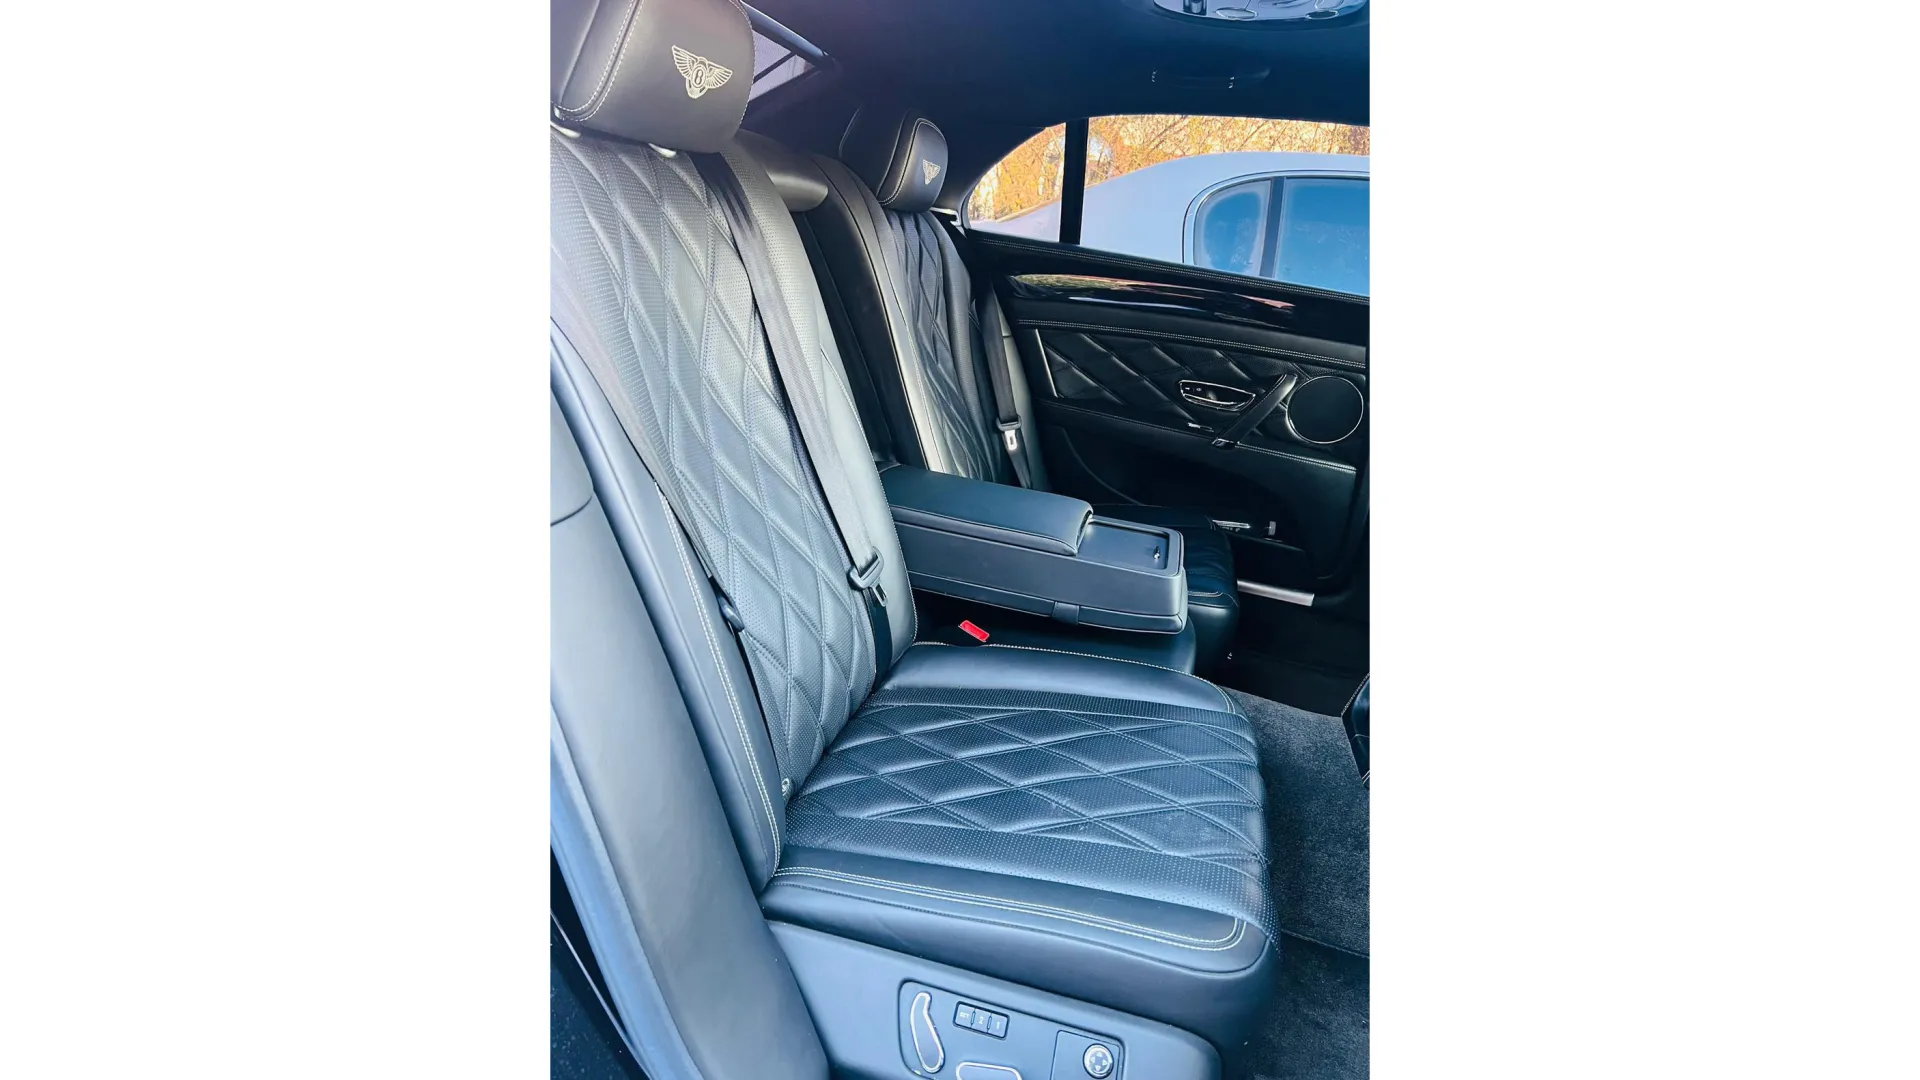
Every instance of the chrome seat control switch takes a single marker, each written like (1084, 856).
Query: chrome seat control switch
(926, 1038)
(1098, 1061)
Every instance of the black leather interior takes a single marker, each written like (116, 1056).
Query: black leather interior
(1039, 520)
(1071, 823)
(1354, 716)
(1213, 597)
(1109, 339)
(899, 154)
(675, 74)
(797, 177)
(1036, 552)
(1075, 823)
(910, 328)
(689, 951)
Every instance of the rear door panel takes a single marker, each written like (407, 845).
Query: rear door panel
(1108, 340)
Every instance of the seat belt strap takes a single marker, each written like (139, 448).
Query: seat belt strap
(997, 337)
(568, 336)
(804, 401)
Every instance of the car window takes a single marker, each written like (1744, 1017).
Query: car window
(1280, 199)
(774, 64)
(1020, 196)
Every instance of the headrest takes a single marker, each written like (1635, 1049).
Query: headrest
(900, 155)
(675, 73)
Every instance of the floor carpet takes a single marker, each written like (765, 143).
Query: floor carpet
(1317, 830)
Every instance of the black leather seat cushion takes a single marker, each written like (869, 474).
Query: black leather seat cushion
(1213, 597)
(1078, 824)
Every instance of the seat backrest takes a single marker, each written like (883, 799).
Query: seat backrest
(645, 267)
(910, 317)
(687, 957)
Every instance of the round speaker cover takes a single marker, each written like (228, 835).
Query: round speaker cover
(1325, 409)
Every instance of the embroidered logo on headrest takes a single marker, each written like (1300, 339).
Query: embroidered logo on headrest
(701, 73)
(930, 169)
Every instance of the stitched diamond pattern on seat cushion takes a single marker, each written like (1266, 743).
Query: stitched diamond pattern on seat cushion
(649, 256)
(1138, 798)
(960, 423)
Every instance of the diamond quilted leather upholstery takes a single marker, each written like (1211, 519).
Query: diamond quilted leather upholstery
(1103, 838)
(1142, 376)
(1003, 766)
(1079, 824)
(640, 243)
(912, 322)
(961, 418)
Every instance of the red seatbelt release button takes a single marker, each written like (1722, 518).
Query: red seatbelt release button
(973, 631)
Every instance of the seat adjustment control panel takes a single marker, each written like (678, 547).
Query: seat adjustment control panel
(944, 1036)
(976, 1018)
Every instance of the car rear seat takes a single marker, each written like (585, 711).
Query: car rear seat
(1080, 825)
(914, 326)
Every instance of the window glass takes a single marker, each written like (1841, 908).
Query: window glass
(1021, 195)
(774, 64)
(1323, 234)
(1198, 189)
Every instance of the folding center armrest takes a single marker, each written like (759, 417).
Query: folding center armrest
(1036, 552)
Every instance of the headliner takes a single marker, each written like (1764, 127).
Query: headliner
(1036, 62)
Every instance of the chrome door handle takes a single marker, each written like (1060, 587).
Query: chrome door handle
(1216, 396)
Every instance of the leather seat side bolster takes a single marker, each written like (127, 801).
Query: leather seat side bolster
(853, 238)
(932, 665)
(713, 678)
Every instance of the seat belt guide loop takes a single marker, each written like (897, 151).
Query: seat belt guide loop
(867, 578)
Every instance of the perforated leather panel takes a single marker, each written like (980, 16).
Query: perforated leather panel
(1139, 798)
(960, 421)
(645, 252)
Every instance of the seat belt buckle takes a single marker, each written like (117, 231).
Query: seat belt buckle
(1010, 434)
(866, 579)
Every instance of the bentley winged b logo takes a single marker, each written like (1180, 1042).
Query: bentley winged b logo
(701, 73)
(930, 169)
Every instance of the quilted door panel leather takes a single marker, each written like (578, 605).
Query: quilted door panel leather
(1139, 376)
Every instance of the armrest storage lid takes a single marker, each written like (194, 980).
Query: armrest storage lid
(1021, 517)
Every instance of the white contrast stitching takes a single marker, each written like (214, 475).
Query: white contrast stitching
(625, 41)
(726, 681)
(1097, 922)
(626, 27)
(1095, 656)
(907, 167)
(1221, 344)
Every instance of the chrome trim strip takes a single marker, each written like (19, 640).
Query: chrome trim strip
(920, 1016)
(1275, 592)
(1295, 432)
(975, 1070)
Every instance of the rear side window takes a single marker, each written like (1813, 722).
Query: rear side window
(773, 65)
(1021, 195)
(1279, 199)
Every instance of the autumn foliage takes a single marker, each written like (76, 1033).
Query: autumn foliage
(1029, 177)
